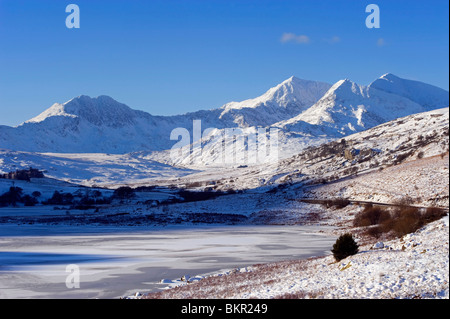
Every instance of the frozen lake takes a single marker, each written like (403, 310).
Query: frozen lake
(115, 262)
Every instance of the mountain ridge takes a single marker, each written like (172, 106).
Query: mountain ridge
(348, 107)
(102, 124)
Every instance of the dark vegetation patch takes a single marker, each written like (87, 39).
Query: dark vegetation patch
(397, 221)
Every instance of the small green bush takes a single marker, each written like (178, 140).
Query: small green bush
(345, 246)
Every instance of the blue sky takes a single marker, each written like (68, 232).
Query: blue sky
(172, 57)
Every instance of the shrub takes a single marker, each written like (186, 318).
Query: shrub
(402, 157)
(375, 231)
(337, 203)
(406, 220)
(404, 201)
(345, 246)
(59, 199)
(371, 215)
(124, 192)
(432, 214)
(401, 221)
(340, 203)
(36, 194)
(12, 197)
(194, 196)
(29, 200)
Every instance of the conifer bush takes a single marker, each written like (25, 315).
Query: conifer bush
(345, 246)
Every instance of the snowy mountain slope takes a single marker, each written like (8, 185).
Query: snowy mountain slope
(428, 96)
(423, 181)
(241, 147)
(404, 157)
(345, 109)
(281, 102)
(348, 108)
(100, 111)
(401, 140)
(101, 124)
(93, 125)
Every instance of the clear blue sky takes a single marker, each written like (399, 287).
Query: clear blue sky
(172, 57)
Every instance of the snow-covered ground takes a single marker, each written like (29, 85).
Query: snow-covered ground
(415, 266)
(91, 169)
(424, 181)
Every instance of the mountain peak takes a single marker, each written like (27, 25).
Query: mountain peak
(296, 81)
(344, 87)
(389, 77)
(291, 91)
(427, 95)
(293, 79)
(93, 124)
(101, 100)
(348, 107)
(56, 109)
(101, 110)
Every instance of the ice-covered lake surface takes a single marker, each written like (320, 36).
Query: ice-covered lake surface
(115, 262)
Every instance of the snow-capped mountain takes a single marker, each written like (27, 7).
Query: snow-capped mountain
(96, 125)
(103, 125)
(429, 96)
(101, 111)
(282, 102)
(303, 109)
(348, 108)
(404, 139)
